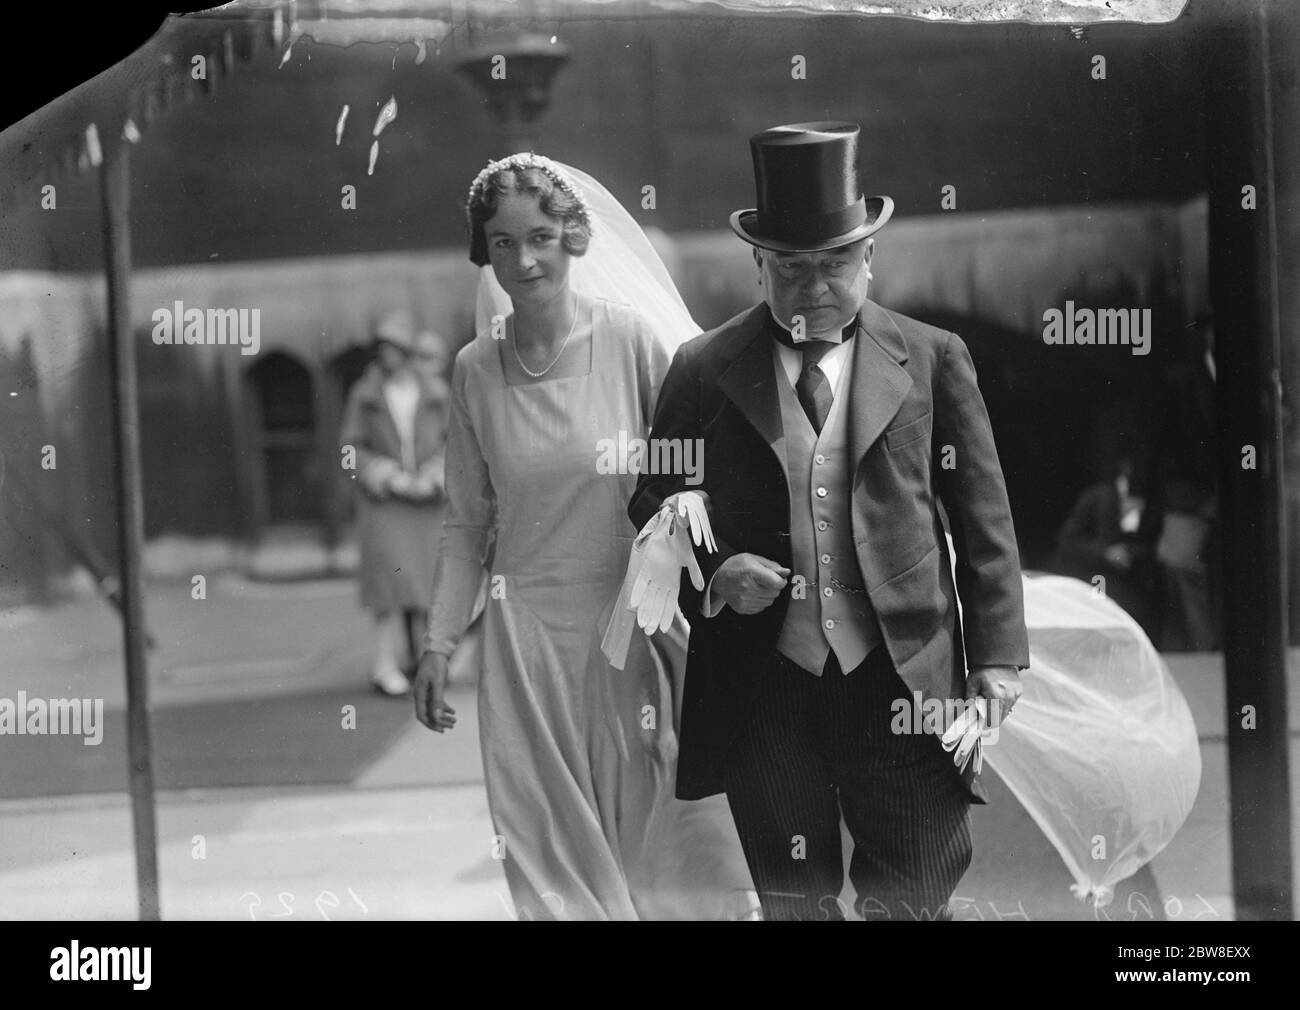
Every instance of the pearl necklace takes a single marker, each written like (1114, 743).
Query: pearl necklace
(564, 343)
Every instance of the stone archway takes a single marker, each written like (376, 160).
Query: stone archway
(286, 478)
(1060, 424)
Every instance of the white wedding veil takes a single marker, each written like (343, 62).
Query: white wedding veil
(620, 265)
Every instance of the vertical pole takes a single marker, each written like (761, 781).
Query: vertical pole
(115, 188)
(1243, 283)
(1284, 69)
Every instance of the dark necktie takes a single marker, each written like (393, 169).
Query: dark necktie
(812, 387)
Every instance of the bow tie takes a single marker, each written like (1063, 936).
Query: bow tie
(815, 348)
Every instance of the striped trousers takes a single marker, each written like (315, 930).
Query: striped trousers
(814, 748)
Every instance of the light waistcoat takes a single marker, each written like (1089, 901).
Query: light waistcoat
(823, 614)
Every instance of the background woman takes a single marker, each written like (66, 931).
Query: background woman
(395, 418)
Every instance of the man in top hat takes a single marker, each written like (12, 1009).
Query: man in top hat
(837, 436)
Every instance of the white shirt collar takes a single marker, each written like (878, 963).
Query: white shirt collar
(832, 364)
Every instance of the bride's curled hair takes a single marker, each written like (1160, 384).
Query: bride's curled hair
(552, 199)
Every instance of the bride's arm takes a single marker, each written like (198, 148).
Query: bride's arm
(652, 361)
(467, 529)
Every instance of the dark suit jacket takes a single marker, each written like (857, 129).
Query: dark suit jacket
(912, 391)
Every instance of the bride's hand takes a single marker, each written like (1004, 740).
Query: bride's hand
(430, 685)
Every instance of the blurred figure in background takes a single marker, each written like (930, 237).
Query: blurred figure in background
(1100, 536)
(1184, 508)
(396, 420)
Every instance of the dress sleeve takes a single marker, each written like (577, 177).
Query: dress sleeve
(652, 361)
(467, 529)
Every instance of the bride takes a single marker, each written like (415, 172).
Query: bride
(578, 756)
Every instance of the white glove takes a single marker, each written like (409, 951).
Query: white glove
(691, 508)
(965, 735)
(685, 555)
(654, 592)
(666, 552)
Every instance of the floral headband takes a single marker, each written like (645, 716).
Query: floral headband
(526, 159)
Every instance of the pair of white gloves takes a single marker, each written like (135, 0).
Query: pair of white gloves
(665, 551)
(648, 597)
(964, 738)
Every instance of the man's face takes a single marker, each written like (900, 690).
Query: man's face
(825, 289)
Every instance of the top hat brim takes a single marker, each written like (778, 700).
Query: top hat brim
(879, 210)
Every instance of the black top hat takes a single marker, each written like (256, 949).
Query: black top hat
(809, 196)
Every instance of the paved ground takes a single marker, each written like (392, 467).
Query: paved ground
(270, 807)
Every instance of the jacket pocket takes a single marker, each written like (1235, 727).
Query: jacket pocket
(906, 434)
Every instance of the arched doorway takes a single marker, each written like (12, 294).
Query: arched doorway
(1061, 418)
(346, 367)
(286, 467)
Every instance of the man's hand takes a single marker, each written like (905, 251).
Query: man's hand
(431, 707)
(749, 583)
(1000, 685)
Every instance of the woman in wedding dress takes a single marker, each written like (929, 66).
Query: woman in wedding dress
(578, 756)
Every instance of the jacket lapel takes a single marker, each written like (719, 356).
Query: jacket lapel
(750, 382)
(879, 383)
(376, 404)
